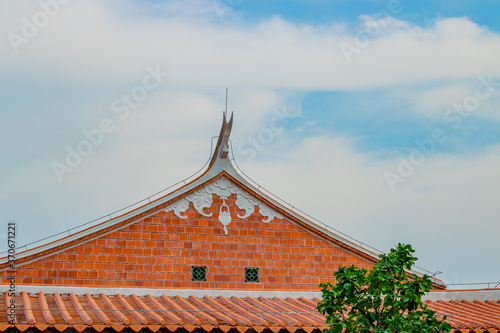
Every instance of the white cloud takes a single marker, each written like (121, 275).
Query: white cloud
(381, 26)
(90, 40)
(447, 210)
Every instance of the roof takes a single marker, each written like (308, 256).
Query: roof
(154, 312)
(220, 166)
(220, 178)
(118, 311)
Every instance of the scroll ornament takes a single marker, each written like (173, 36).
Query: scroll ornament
(202, 200)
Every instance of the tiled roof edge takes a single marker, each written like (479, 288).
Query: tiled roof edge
(457, 295)
(461, 295)
(159, 292)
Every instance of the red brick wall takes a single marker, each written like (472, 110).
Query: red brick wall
(159, 251)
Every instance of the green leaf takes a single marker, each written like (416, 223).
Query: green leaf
(375, 301)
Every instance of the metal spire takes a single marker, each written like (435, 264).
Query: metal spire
(222, 148)
(225, 112)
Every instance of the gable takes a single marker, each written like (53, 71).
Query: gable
(220, 225)
(218, 221)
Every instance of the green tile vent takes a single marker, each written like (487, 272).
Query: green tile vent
(251, 275)
(198, 273)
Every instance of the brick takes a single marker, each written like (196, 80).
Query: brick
(158, 252)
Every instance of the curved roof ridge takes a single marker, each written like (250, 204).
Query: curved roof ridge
(214, 168)
(220, 165)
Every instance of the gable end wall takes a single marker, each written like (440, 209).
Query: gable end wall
(158, 252)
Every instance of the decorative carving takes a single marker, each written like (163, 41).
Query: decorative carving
(223, 188)
(246, 203)
(224, 217)
(179, 207)
(268, 212)
(201, 200)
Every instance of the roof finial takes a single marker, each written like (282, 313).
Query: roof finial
(225, 112)
(222, 148)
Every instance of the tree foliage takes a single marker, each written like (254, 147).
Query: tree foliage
(384, 299)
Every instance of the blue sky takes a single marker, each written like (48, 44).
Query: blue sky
(359, 89)
(325, 12)
(392, 126)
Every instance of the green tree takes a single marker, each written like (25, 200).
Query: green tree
(384, 299)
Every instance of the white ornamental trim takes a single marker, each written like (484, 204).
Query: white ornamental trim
(223, 188)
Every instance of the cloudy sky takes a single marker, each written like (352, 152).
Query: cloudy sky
(379, 118)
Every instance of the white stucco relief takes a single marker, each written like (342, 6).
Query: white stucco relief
(223, 188)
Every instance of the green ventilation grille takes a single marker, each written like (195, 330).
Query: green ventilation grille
(198, 273)
(251, 275)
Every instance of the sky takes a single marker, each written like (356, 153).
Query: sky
(378, 118)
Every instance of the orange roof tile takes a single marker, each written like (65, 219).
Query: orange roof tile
(117, 312)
